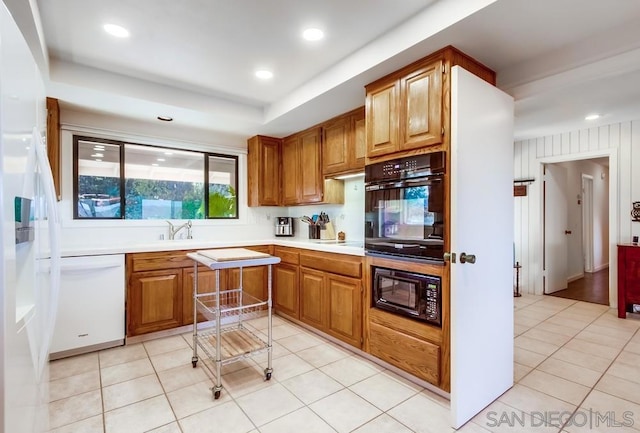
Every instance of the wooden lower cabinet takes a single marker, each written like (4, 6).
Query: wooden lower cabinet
(313, 306)
(332, 303)
(344, 319)
(415, 356)
(286, 280)
(154, 301)
(160, 288)
(206, 279)
(254, 281)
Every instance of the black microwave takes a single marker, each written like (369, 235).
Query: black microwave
(409, 294)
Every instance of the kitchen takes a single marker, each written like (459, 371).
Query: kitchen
(254, 223)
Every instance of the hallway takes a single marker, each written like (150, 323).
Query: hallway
(593, 287)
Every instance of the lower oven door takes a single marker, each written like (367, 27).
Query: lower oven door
(406, 218)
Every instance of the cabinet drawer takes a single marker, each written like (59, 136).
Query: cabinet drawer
(157, 261)
(341, 264)
(287, 255)
(420, 358)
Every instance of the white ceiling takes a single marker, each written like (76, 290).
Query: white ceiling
(194, 61)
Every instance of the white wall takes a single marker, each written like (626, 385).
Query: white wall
(348, 217)
(621, 143)
(254, 223)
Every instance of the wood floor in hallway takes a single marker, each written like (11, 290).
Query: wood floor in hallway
(593, 287)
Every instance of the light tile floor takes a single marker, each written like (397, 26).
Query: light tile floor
(573, 361)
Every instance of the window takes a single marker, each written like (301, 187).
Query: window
(117, 180)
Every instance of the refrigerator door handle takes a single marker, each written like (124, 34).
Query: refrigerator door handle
(53, 220)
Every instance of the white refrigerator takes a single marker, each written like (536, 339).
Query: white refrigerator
(30, 259)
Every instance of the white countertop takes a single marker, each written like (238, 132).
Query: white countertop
(351, 248)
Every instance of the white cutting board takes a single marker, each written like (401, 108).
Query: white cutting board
(228, 254)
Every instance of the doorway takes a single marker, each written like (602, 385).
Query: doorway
(576, 230)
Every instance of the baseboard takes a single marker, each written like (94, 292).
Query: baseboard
(575, 277)
(85, 349)
(601, 267)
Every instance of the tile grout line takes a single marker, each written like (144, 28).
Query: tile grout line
(555, 351)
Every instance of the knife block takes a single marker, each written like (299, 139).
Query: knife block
(327, 232)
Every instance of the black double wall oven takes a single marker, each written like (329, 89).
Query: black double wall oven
(404, 219)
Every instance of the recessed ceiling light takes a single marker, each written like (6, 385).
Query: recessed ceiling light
(97, 155)
(168, 153)
(116, 30)
(161, 159)
(98, 147)
(592, 117)
(263, 74)
(154, 164)
(98, 160)
(313, 34)
(165, 118)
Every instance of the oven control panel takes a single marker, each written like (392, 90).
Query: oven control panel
(399, 167)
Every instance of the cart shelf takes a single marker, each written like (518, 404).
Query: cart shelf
(231, 303)
(236, 343)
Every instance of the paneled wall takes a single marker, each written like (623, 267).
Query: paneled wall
(621, 143)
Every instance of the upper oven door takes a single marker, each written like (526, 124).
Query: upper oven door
(406, 218)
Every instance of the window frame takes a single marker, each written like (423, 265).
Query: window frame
(122, 181)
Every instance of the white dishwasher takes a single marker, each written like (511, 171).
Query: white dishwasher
(91, 305)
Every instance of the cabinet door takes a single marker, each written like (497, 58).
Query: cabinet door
(290, 171)
(286, 289)
(254, 281)
(311, 179)
(263, 168)
(313, 305)
(206, 283)
(421, 113)
(335, 145)
(154, 301)
(359, 134)
(382, 119)
(345, 308)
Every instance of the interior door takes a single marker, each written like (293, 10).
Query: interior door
(555, 227)
(587, 222)
(481, 225)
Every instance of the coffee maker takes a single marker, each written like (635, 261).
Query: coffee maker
(284, 226)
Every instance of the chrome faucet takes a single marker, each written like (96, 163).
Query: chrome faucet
(173, 230)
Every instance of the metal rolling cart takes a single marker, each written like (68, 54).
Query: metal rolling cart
(228, 340)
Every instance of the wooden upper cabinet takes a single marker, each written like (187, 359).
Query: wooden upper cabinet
(335, 145)
(382, 118)
(311, 179)
(302, 180)
(421, 107)
(290, 171)
(359, 139)
(53, 142)
(408, 110)
(263, 167)
(343, 143)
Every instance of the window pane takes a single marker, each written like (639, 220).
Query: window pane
(98, 185)
(163, 183)
(223, 197)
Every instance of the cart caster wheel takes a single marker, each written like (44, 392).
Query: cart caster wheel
(194, 363)
(268, 376)
(216, 394)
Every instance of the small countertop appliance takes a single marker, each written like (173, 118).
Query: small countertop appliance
(284, 226)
